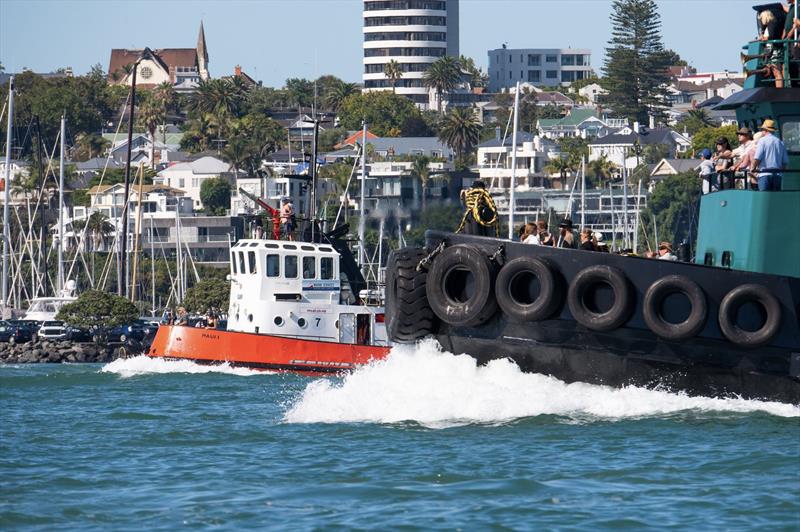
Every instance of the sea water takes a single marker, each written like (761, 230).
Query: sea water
(424, 439)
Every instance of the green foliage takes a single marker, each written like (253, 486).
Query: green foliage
(301, 92)
(215, 193)
(438, 217)
(636, 64)
(117, 175)
(674, 202)
(443, 76)
(707, 137)
(329, 138)
(461, 130)
(694, 121)
(96, 308)
(207, 294)
(384, 112)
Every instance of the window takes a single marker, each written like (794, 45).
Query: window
(534, 59)
(251, 256)
(309, 268)
(551, 59)
(790, 133)
(273, 265)
(290, 266)
(233, 262)
(534, 76)
(241, 262)
(181, 183)
(509, 58)
(568, 60)
(509, 75)
(326, 268)
(552, 74)
(567, 76)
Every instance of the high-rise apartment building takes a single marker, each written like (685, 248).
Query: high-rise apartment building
(415, 33)
(550, 67)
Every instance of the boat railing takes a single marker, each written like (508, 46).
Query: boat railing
(765, 49)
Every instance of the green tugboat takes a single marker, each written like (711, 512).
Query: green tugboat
(727, 324)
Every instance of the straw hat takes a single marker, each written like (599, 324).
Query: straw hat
(768, 125)
(665, 245)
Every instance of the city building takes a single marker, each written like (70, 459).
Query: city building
(184, 68)
(189, 176)
(580, 122)
(532, 155)
(415, 33)
(549, 67)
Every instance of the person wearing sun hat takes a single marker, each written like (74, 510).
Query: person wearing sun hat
(770, 158)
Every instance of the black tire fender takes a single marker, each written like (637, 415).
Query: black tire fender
(619, 312)
(460, 286)
(512, 281)
(408, 315)
(749, 293)
(654, 299)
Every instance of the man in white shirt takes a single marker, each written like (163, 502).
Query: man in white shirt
(707, 173)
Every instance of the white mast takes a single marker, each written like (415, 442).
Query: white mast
(513, 165)
(60, 280)
(583, 192)
(625, 235)
(613, 222)
(178, 257)
(636, 222)
(6, 188)
(362, 252)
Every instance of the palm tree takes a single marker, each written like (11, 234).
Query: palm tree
(200, 133)
(99, 226)
(338, 93)
(443, 76)
(460, 129)
(394, 73)
(419, 170)
(561, 166)
(702, 117)
(151, 115)
(601, 169)
(219, 97)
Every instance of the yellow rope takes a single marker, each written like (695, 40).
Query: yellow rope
(474, 198)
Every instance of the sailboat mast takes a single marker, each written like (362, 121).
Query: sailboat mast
(60, 279)
(362, 254)
(513, 165)
(6, 198)
(583, 192)
(122, 263)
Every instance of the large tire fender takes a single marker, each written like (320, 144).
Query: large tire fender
(460, 286)
(513, 283)
(408, 315)
(654, 299)
(737, 297)
(619, 312)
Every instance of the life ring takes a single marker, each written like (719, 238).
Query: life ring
(408, 315)
(513, 290)
(654, 300)
(733, 301)
(460, 287)
(595, 319)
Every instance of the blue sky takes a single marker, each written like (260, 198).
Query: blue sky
(277, 39)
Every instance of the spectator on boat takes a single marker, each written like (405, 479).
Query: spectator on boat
(770, 158)
(545, 238)
(587, 240)
(665, 251)
(723, 160)
(772, 28)
(259, 231)
(287, 218)
(791, 32)
(167, 318)
(746, 160)
(567, 238)
(182, 318)
(211, 319)
(600, 242)
(745, 137)
(521, 232)
(531, 236)
(706, 170)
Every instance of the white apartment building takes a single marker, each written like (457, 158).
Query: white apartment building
(532, 155)
(189, 176)
(550, 67)
(415, 33)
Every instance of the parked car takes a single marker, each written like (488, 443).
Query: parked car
(15, 334)
(78, 334)
(53, 330)
(31, 326)
(139, 331)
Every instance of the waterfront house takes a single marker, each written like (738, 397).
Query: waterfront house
(626, 147)
(189, 176)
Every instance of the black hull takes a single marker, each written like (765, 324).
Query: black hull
(707, 364)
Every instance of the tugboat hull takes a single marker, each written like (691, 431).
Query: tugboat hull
(613, 342)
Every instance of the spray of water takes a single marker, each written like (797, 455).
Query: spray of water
(437, 389)
(144, 365)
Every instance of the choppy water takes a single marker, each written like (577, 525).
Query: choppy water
(423, 440)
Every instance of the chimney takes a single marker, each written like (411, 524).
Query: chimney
(497, 133)
(237, 70)
(636, 127)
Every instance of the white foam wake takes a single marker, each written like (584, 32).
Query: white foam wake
(144, 365)
(437, 389)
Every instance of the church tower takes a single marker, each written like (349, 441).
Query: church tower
(202, 54)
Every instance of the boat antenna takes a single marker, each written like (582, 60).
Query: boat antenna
(513, 165)
(6, 198)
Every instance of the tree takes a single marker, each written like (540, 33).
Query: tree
(707, 137)
(151, 115)
(338, 93)
(636, 66)
(600, 171)
(394, 73)
(443, 76)
(215, 193)
(89, 145)
(207, 294)
(461, 130)
(477, 78)
(382, 110)
(200, 133)
(94, 308)
(695, 120)
(674, 202)
(301, 91)
(561, 166)
(99, 226)
(421, 172)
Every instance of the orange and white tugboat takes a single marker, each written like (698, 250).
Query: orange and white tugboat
(294, 306)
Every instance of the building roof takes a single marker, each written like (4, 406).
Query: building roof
(204, 165)
(522, 136)
(408, 145)
(555, 98)
(646, 136)
(166, 57)
(577, 116)
(356, 138)
(675, 166)
(146, 189)
(97, 163)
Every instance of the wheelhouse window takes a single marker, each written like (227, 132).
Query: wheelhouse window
(326, 268)
(273, 265)
(241, 262)
(309, 268)
(233, 263)
(790, 133)
(290, 266)
(251, 256)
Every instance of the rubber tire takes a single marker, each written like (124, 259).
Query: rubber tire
(550, 292)
(654, 298)
(735, 299)
(620, 311)
(478, 308)
(409, 317)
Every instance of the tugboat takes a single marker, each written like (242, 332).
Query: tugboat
(724, 325)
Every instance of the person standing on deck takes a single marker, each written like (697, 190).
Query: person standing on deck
(770, 158)
(287, 218)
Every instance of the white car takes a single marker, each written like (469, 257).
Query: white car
(53, 330)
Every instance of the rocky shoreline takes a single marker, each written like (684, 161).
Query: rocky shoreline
(58, 352)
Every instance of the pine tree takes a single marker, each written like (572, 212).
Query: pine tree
(636, 67)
